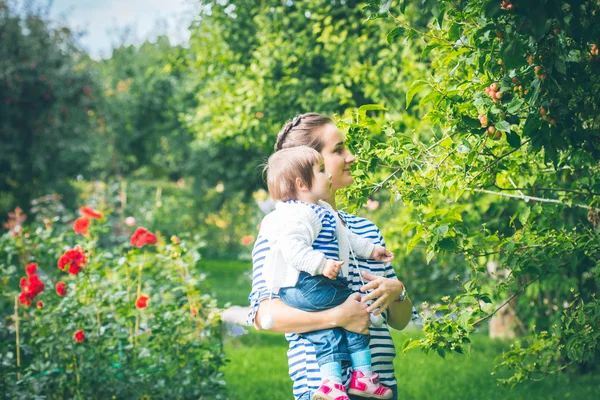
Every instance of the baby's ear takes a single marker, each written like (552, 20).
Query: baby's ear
(301, 186)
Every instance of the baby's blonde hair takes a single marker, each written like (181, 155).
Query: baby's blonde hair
(287, 165)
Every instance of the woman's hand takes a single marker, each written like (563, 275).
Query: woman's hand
(384, 290)
(352, 315)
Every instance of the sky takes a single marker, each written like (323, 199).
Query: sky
(104, 22)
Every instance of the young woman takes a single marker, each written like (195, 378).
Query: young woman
(385, 292)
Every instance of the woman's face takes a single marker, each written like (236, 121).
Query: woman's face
(337, 157)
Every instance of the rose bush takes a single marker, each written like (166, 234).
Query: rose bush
(109, 321)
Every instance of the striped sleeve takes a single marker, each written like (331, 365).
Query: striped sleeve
(259, 291)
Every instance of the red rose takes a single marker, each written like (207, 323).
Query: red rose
(81, 225)
(89, 212)
(34, 285)
(142, 237)
(73, 260)
(142, 301)
(25, 299)
(61, 289)
(40, 304)
(79, 336)
(23, 283)
(31, 269)
(246, 240)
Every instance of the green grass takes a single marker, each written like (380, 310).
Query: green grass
(257, 367)
(227, 281)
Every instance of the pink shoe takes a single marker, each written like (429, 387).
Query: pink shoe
(368, 386)
(330, 391)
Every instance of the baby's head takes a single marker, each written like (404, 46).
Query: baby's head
(294, 170)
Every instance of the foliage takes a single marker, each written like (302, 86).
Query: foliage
(48, 93)
(145, 90)
(508, 180)
(259, 63)
(169, 347)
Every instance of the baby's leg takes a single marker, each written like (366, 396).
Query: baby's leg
(360, 354)
(364, 383)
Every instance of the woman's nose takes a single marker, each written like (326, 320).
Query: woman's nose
(350, 158)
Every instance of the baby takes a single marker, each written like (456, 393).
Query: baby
(303, 266)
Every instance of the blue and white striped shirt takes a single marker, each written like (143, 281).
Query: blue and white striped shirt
(303, 367)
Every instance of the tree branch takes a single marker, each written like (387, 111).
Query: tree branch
(527, 198)
(505, 303)
(590, 193)
(497, 160)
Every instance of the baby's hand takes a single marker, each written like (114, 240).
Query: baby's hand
(332, 268)
(382, 254)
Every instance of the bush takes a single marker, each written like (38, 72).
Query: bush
(128, 322)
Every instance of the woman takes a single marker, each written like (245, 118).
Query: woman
(319, 132)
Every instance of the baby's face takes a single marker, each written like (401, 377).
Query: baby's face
(321, 188)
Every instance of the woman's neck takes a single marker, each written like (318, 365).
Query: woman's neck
(331, 201)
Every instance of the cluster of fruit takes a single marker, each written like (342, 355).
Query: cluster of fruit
(491, 130)
(493, 92)
(506, 5)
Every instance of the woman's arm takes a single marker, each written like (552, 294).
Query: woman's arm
(350, 315)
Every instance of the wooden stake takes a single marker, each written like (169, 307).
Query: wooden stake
(17, 339)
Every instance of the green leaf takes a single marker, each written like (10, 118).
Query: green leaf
(397, 31)
(486, 299)
(414, 89)
(513, 139)
(515, 105)
(441, 230)
(413, 241)
(429, 256)
(503, 126)
(441, 352)
(491, 8)
(384, 6)
(524, 215)
(534, 92)
(362, 110)
(430, 46)
(532, 125)
(512, 53)
(454, 32)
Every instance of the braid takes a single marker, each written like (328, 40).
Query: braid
(282, 135)
(300, 131)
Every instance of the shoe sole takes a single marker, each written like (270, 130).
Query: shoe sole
(321, 397)
(366, 395)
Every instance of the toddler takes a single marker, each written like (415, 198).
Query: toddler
(303, 266)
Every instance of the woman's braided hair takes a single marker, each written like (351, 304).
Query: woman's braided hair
(300, 131)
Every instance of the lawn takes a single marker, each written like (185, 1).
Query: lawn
(257, 367)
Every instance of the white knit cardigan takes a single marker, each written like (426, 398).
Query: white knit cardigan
(291, 230)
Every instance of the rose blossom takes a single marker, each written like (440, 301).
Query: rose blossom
(142, 237)
(61, 288)
(31, 269)
(246, 240)
(30, 288)
(89, 212)
(79, 336)
(81, 225)
(74, 259)
(40, 304)
(130, 221)
(142, 301)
